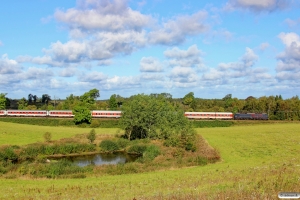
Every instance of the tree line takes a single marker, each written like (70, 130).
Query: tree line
(275, 106)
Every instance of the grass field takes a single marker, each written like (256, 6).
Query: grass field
(258, 161)
(20, 134)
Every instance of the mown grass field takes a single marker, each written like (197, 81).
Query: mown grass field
(258, 161)
(21, 134)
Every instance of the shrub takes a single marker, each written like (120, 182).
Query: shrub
(122, 143)
(91, 136)
(47, 136)
(108, 145)
(95, 123)
(8, 153)
(172, 142)
(137, 149)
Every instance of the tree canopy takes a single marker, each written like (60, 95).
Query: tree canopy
(113, 102)
(2, 101)
(149, 116)
(82, 105)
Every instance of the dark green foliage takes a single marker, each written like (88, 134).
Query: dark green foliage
(213, 123)
(65, 122)
(113, 102)
(109, 145)
(8, 154)
(153, 117)
(82, 115)
(39, 121)
(91, 136)
(109, 123)
(137, 149)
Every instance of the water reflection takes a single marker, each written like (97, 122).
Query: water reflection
(102, 159)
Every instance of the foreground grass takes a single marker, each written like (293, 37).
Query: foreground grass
(258, 162)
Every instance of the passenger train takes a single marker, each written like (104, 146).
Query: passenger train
(117, 114)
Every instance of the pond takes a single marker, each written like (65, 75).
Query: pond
(102, 159)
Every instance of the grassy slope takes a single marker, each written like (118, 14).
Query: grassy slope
(258, 162)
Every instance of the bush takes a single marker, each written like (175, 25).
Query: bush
(47, 136)
(109, 145)
(91, 136)
(8, 153)
(137, 149)
(95, 123)
(122, 143)
(172, 142)
(151, 152)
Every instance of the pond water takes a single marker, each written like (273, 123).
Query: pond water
(102, 159)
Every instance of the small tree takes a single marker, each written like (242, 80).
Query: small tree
(91, 136)
(113, 102)
(47, 136)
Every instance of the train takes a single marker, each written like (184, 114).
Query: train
(117, 114)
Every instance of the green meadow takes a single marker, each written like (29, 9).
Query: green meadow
(258, 161)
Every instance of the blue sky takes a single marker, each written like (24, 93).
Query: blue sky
(211, 48)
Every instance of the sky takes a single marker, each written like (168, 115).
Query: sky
(212, 48)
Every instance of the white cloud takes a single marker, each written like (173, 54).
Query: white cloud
(183, 75)
(258, 5)
(124, 82)
(176, 30)
(1, 43)
(36, 73)
(102, 16)
(150, 64)
(8, 66)
(264, 46)
(97, 77)
(152, 76)
(292, 23)
(239, 72)
(185, 58)
(289, 59)
(67, 72)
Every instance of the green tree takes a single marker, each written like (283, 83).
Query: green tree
(22, 104)
(113, 102)
(145, 116)
(82, 114)
(188, 98)
(3, 102)
(70, 102)
(89, 98)
(45, 99)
